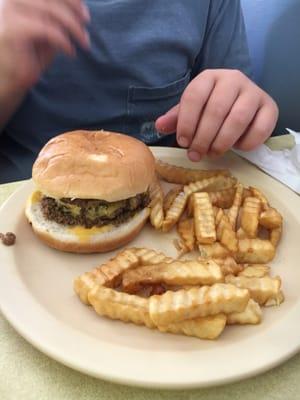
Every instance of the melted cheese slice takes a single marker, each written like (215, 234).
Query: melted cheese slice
(84, 234)
(35, 197)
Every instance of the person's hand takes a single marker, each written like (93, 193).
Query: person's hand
(33, 31)
(218, 110)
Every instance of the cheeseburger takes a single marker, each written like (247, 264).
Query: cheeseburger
(92, 191)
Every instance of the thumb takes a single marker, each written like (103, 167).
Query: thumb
(167, 123)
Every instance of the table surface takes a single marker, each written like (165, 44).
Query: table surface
(27, 374)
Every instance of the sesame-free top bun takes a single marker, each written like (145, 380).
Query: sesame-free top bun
(94, 165)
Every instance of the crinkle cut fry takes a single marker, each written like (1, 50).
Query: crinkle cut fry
(251, 315)
(186, 231)
(228, 266)
(234, 209)
(216, 183)
(170, 197)
(214, 250)
(204, 219)
(255, 271)
(222, 198)
(261, 289)
(254, 251)
(241, 234)
(85, 282)
(121, 306)
(175, 211)
(149, 256)
(129, 308)
(156, 204)
(176, 273)
(259, 195)
(197, 302)
(270, 219)
(219, 213)
(275, 236)
(190, 206)
(276, 300)
(107, 274)
(183, 176)
(177, 208)
(225, 233)
(180, 246)
(250, 216)
(209, 327)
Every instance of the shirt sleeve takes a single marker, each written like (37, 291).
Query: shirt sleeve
(225, 41)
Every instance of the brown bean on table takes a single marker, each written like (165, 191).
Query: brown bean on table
(8, 239)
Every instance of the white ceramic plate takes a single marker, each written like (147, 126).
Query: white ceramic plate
(36, 296)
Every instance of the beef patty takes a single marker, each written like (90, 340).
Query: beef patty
(89, 213)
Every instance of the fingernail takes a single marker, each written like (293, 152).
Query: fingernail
(183, 141)
(161, 129)
(194, 156)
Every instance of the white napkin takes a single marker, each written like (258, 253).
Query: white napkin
(283, 165)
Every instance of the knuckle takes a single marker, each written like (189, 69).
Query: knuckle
(236, 74)
(206, 73)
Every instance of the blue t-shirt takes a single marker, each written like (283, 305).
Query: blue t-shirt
(144, 53)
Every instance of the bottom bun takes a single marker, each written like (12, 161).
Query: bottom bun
(80, 239)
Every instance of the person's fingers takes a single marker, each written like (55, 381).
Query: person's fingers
(191, 106)
(38, 31)
(167, 123)
(60, 14)
(261, 127)
(220, 109)
(213, 116)
(183, 118)
(241, 115)
(77, 6)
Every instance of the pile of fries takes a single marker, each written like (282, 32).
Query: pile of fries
(231, 233)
